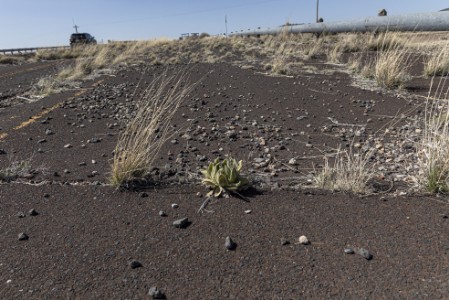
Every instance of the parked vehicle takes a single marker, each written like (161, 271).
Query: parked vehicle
(82, 38)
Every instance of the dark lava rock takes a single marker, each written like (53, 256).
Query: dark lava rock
(230, 244)
(135, 264)
(155, 293)
(23, 236)
(2, 151)
(143, 195)
(365, 254)
(181, 223)
(33, 212)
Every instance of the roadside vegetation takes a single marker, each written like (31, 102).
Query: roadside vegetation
(139, 144)
(385, 60)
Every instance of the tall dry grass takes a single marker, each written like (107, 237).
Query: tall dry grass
(144, 136)
(433, 146)
(349, 172)
(437, 62)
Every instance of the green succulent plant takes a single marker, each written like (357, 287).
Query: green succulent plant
(224, 176)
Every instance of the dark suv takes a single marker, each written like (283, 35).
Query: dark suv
(82, 38)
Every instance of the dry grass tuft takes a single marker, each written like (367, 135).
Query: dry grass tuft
(350, 172)
(437, 63)
(16, 169)
(433, 147)
(140, 143)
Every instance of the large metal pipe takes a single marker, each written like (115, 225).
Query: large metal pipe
(437, 21)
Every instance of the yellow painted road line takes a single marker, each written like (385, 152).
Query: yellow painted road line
(48, 110)
(37, 117)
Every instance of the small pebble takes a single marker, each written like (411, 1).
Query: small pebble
(349, 251)
(21, 214)
(32, 212)
(162, 213)
(365, 253)
(155, 293)
(284, 242)
(135, 264)
(174, 205)
(23, 236)
(230, 244)
(181, 223)
(143, 195)
(248, 211)
(303, 240)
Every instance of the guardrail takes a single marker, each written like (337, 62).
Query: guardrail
(438, 21)
(32, 49)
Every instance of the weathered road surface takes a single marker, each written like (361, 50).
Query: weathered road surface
(86, 234)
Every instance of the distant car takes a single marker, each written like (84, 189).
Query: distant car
(82, 38)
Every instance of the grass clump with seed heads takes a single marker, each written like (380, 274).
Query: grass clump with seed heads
(144, 136)
(433, 146)
(392, 63)
(350, 172)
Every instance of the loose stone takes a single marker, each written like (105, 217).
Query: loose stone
(365, 253)
(230, 244)
(135, 264)
(303, 240)
(181, 223)
(23, 236)
(33, 212)
(284, 242)
(349, 251)
(155, 293)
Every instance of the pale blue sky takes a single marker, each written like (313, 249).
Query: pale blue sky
(33, 23)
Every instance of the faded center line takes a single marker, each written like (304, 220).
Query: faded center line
(47, 111)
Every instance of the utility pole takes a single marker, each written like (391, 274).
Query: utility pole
(317, 8)
(226, 25)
